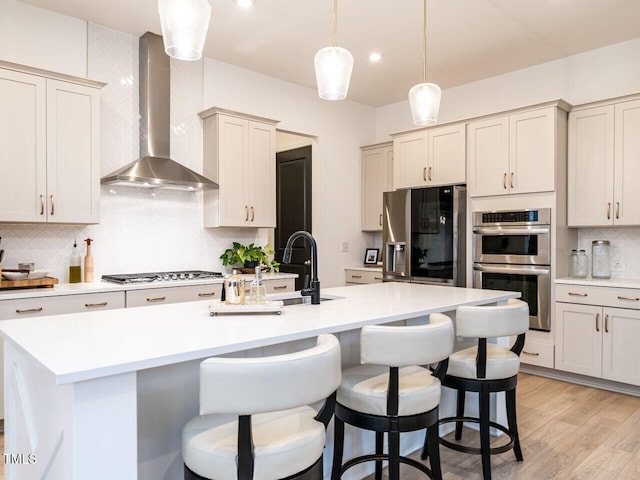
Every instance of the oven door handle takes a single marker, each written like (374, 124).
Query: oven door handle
(510, 230)
(512, 269)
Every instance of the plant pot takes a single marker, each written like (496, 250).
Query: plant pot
(252, 264)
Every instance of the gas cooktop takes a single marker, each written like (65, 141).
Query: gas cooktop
(126, 278)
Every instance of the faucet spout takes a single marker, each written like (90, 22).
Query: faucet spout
(314, 290)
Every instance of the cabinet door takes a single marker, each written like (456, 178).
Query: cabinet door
(620, 359)
(234, 174)
(23, 146)
(410, 160)
(590, 167)
(374, 183)
(280, 285)
(447, 155)
(579, 339)
(73, 153)
(626, 209)
(262, 175)
(159, 296)
(488, 157)
(532, 151)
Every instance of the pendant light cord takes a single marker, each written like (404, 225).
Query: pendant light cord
(424, 39)
(335, 20)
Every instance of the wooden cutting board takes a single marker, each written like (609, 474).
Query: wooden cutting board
(46, 282)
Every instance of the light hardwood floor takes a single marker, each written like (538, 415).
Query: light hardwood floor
(566, 431)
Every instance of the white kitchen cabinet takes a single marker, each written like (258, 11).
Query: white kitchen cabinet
(56, 305)
(598, 340)
(515, 153)
(353, 276)
(186, 293)
(604, 164)
(239, 155)
(430, 157)
(280, 285)
(49, 147)
(377, 177)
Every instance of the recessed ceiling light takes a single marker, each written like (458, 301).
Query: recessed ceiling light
(245, 3)
(375, 57)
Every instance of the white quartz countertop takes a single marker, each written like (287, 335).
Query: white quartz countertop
(362, 268)
(102, 286)
(87, 345)
(599, 282)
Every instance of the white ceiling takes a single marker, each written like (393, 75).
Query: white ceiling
(467, 39)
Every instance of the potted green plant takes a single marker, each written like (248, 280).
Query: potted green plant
(247, 257)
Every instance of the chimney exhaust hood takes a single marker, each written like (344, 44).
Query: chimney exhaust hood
(154, 168)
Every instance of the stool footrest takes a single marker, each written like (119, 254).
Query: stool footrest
(476, 450)
(383, 456)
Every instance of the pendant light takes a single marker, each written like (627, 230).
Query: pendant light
(424, 97)
(184, 27)
(333, 67)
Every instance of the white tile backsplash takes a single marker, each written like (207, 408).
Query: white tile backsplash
(625, 248)
(140, 230)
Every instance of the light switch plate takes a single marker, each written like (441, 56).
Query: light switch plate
(344, 246)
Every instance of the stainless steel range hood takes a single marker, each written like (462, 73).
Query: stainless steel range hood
(154, 168)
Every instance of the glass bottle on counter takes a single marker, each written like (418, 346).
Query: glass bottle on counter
(234, 289)
(600, 259)
(258, 292)
(75, 265)
(579, 264)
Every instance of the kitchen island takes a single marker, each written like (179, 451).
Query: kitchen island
(104, 395)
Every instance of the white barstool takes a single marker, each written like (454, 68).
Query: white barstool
(392, 392)
(255, 422)
(487, 368)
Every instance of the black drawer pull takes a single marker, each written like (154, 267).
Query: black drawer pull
(101, 304)
(356, 276)
(29, 310)
(156, 299)
(211, 294)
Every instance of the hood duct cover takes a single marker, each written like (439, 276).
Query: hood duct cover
(154, 168)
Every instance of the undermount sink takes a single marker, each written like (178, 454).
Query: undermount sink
(302, 300)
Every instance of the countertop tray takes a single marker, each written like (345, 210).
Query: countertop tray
(46, 282)
(218, 307)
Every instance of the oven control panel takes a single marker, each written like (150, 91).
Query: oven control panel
(541, 216)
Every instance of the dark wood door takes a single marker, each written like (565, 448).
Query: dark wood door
(293, 209)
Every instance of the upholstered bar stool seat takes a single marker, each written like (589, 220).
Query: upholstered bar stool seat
(255, 421)
(486, 368)
(393, 392)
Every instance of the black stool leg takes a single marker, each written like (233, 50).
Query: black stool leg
(484, 432)
(434, 451)
(513, 424)
(460, 412)
(379, 451)
(338, 447)
(394, 455)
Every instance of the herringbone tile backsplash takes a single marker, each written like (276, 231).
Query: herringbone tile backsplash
(139, 230)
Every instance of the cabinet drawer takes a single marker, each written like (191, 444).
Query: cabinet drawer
(40, 306)
(536, 353)
(360, 276)
(280, 286)
(159, 296)
(603, 296)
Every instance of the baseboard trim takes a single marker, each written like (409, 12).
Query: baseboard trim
(581, 380)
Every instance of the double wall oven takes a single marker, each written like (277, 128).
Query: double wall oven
(512, 251)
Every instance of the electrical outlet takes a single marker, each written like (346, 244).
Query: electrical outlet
(344, 246)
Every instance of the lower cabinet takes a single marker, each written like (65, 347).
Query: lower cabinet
(599, 340)
(56, 305)
(156, 296)
(358, 276)
(279, 286)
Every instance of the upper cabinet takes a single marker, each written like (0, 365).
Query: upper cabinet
(429, 157)
(377, 177)
(515, 153)
(604, 164)
(240, 156)
(49, 147)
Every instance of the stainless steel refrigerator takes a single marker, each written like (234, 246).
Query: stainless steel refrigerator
(424, 235)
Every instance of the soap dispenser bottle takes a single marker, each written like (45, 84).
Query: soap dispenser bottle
(88, 263)
(75, 265)
(258, 292)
